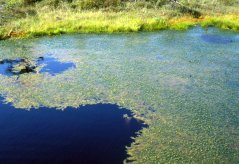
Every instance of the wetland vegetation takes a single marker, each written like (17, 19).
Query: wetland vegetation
(181, 86)
(28, 18)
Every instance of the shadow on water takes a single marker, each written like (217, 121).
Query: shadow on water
(91, 134)
(216, 39)
(42, 64)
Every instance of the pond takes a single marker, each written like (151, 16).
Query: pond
(183, 84)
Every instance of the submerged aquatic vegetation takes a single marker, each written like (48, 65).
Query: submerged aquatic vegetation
(189, 100)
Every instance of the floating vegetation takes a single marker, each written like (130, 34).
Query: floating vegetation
(189, 102)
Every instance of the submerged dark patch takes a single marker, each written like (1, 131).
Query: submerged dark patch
(216, 39)
(21, 66)
(90, 134)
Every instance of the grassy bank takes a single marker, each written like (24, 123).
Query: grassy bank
(42, 19)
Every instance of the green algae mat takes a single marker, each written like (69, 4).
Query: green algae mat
(183, 84)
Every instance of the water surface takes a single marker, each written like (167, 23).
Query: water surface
(90, 134)
(183, 84)
(216, 39)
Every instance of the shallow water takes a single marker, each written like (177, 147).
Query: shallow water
(186, 87)
(90, 134)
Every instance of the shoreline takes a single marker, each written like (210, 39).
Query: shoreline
(49, 24)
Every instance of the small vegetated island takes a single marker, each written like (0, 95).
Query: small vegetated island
(110, 91)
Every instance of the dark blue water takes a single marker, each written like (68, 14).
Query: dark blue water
(49, 65)
(52, 66)
(216, 39)
(90, 134)
(4, 68)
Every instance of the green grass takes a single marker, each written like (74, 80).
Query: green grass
(64, 21)
(227, 22)
(43, 18)
(59, 22)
